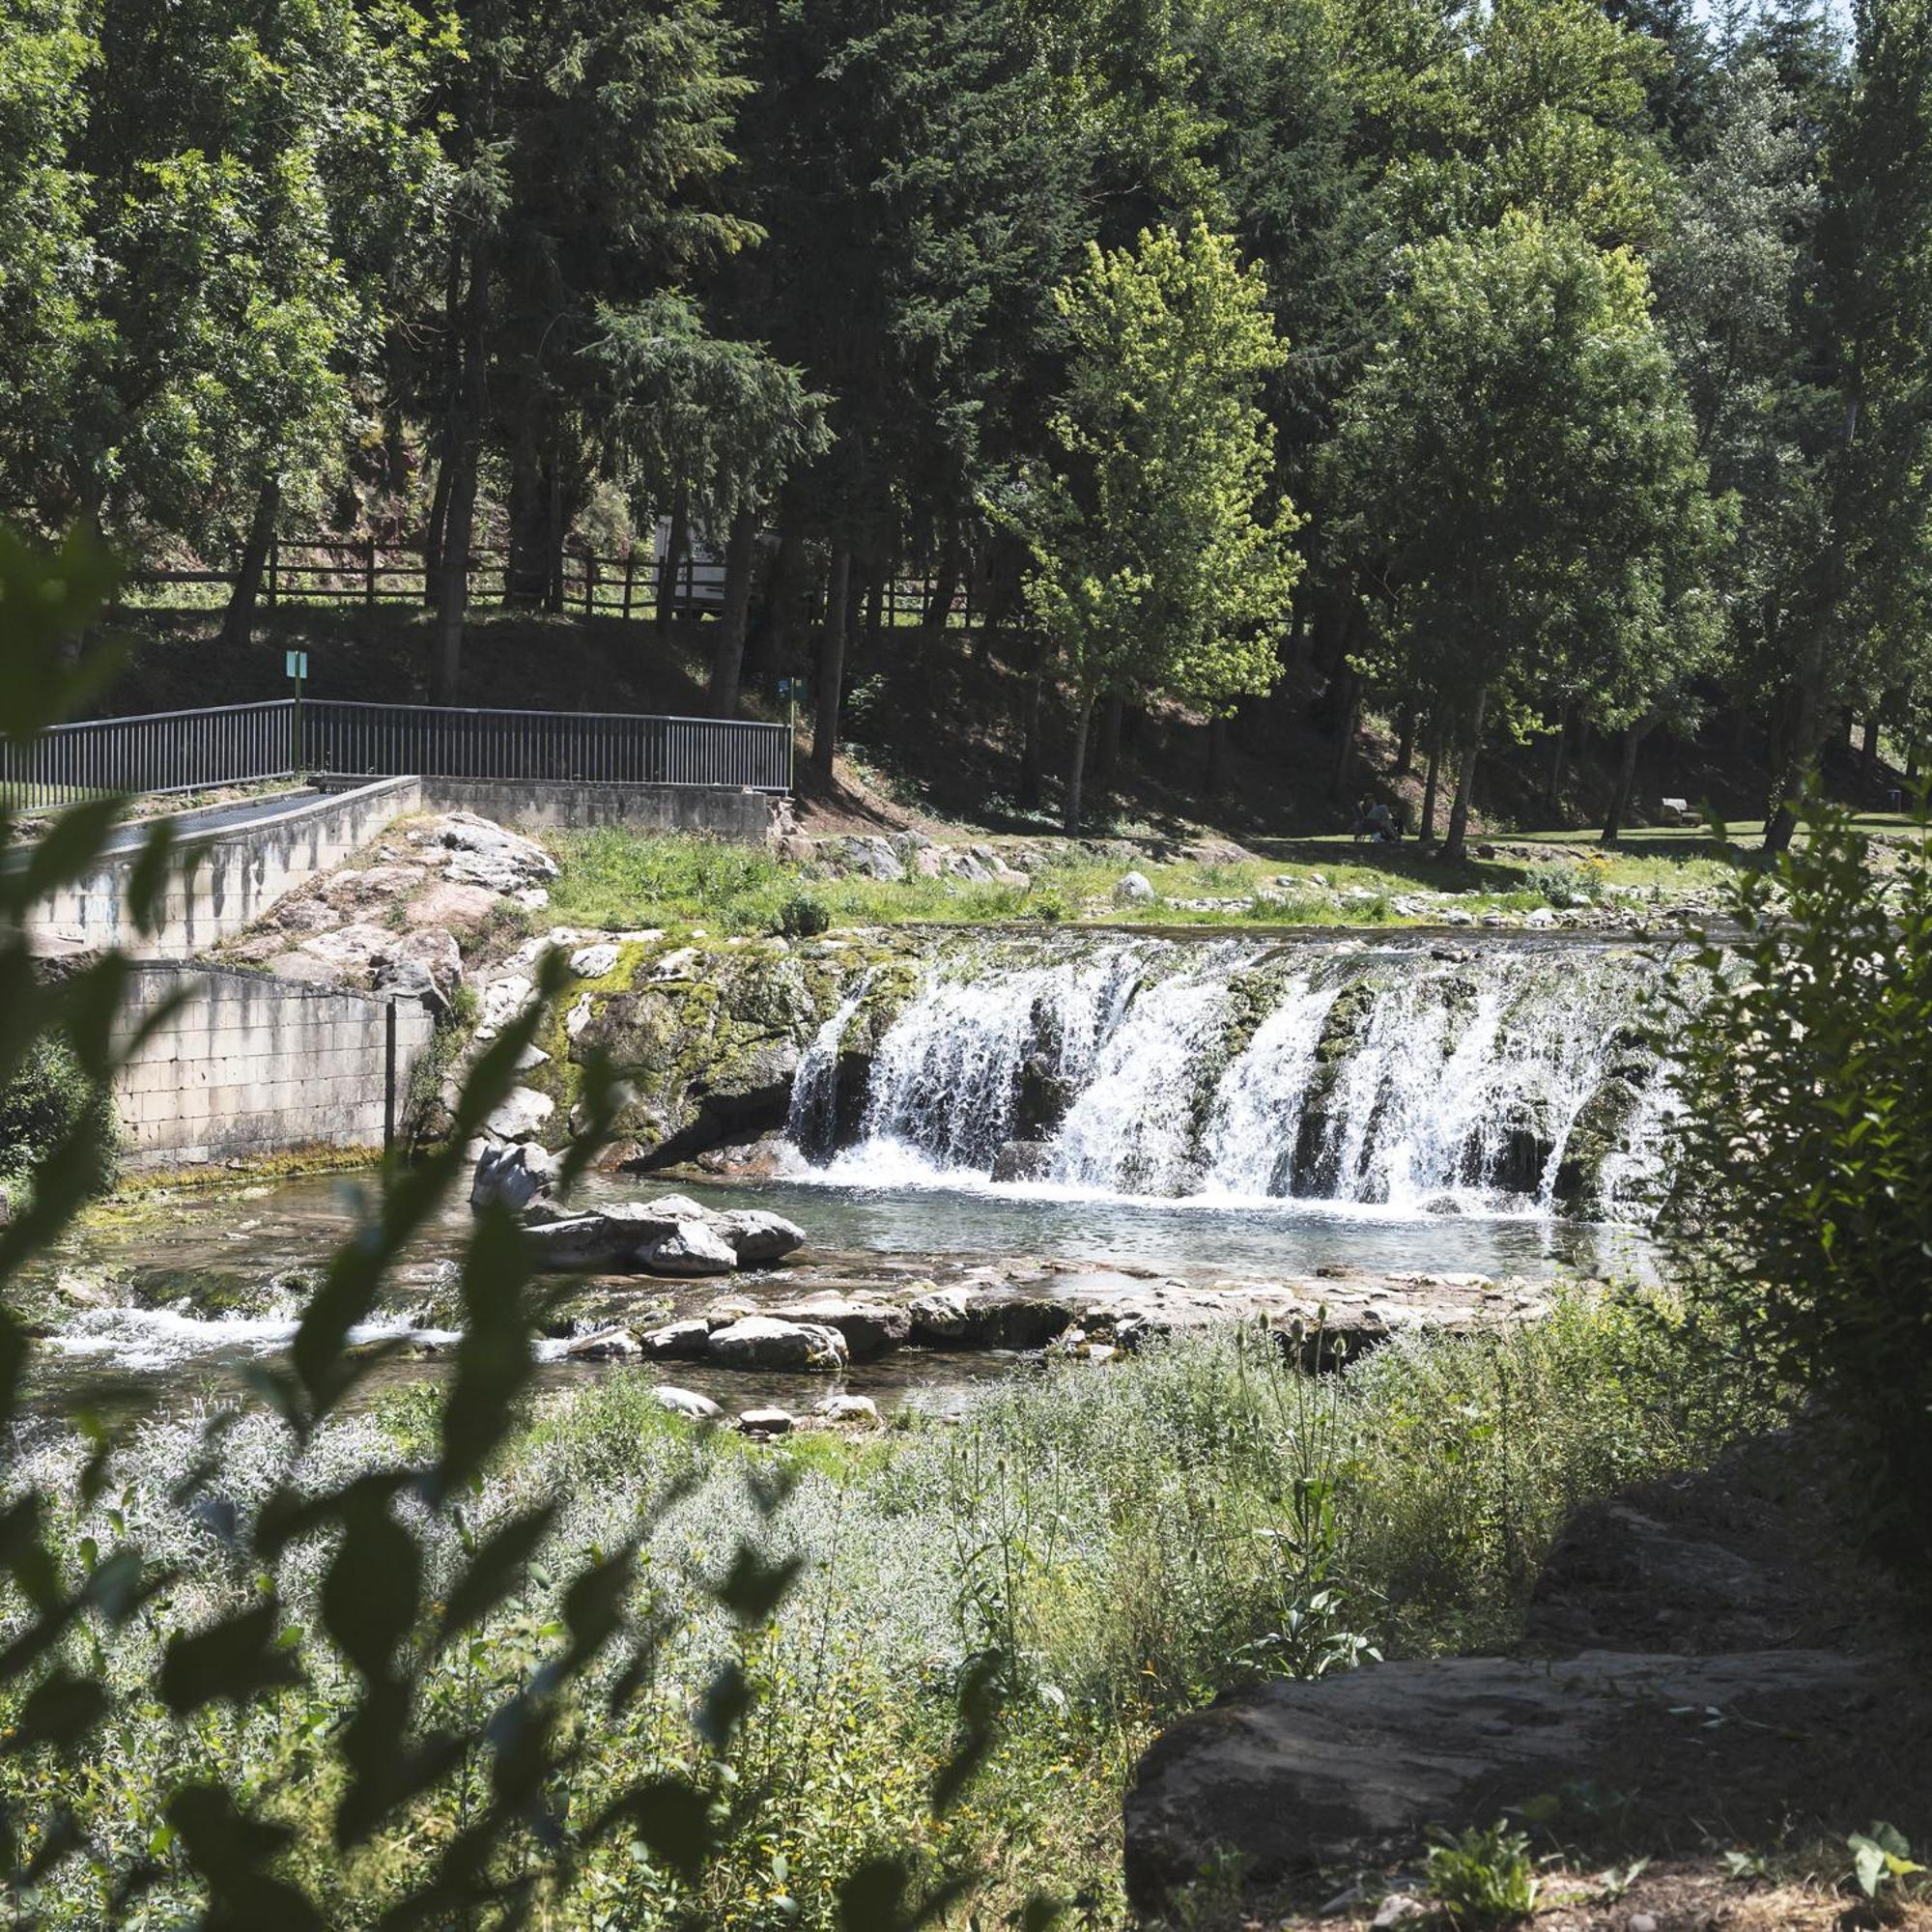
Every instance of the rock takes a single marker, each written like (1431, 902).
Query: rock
(593, 962)
(1022, 1160)
(1133, 889)
(758, 1237)
(873, 858)
(479, 852)
(452, 907)
(766, 1421)
(516, 1176)
(690, 1248)
(870, 1326)
(672, 1208)
(519, 1114)
(686, 1402)
(847, 1409)
(1397, 1909)
(940, 1317)
(607, 1344)
(1288, 1776)
(763, 1342)
(688, 1341)
(501, 1001)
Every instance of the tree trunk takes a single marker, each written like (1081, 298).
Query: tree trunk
(1345, 745)
(1429, 783)
(1802, 738)
(1405, 749)
(1107, 749)
(238, 619)
(946, 586)
(768, 639)
(677, 539)
(831, 666)
(1868, 758)
(434, 529)
(1217, 754)
(526, 578)
(728, 654)
(1031, 761)
(1076, 764)
(1620, 796)
(452, 597)
(1552, 787)
(1456, 845)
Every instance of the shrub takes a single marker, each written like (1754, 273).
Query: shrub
(1483, 1878)
(1799, 1205)
(1563, 885)
(802, 915)
(44, 1098)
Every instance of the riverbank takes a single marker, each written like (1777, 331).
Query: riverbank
(1127, 1537)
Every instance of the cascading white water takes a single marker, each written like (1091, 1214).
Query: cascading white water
(1256, 1119)
(1375, 1076)
(812, 1118)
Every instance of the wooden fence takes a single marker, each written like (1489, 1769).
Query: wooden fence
(363, 571)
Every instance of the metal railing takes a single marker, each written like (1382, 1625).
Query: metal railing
(159, 751)
(345, 737)
(240, 744)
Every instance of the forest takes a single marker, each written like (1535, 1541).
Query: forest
(1537, 368)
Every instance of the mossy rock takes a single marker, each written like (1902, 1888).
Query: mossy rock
(1601, 1129)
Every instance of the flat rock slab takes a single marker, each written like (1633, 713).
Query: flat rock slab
(1294, 1775)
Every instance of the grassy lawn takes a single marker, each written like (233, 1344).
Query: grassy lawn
(620, 880)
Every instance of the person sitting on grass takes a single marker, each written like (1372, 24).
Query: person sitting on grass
(1375, 822)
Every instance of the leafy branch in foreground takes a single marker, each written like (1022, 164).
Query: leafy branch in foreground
(1797, 1206)
(246, 1857)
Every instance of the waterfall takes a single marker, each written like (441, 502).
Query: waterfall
(812, 1118)
(1388, 1075)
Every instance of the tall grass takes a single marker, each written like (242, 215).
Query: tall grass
(1132, 1538)
(618, 880)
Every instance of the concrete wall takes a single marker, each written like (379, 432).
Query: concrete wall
(249, 1065)
(231, 878)
(540, 805)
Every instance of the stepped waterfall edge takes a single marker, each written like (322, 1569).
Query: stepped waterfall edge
(1412, 1078)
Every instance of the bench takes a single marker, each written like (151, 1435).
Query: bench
(1678, 810)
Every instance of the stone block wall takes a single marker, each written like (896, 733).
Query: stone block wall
(542, 805)
(249, 1065)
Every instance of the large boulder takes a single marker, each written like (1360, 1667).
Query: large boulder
(690, 1248)
(1288, 1776)
(475, 851)
(515, 1175)
(519, 1115)
(757, 1237)
(687, 1403)
(869, 1325)
(764, 1342)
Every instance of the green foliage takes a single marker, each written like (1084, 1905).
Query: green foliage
(42, 1102)
(1157, 564)
(1799, 1205)
(803, 916)
(1881, 1857)
(1483, 1878)
(1564, 885)
(350, 1591)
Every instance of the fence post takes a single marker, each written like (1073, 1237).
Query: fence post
(589, 581)
(274, 565)
(630, 570)
(369, 573)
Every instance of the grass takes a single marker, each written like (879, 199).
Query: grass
(618, 880)
(1132, 1539)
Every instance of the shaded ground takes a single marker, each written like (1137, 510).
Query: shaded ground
(1739, 1805)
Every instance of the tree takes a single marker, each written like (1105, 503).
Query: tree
(1159, 564)
(587, 139)
(1861, 607)
(1519, 464)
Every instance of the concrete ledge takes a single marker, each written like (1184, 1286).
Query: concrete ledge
(226, 881)
(723, 811)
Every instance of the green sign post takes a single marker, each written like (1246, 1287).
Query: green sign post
(298, 669)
